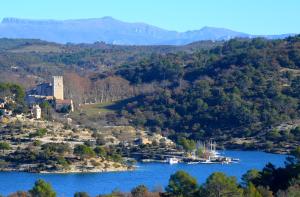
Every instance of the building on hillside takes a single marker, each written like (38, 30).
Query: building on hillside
(44, 89)
(142, 141)
(39, 94)
(52, 93)
(58, 87)
(36, 112)
(4, 110)
(2, 104)
(38, 99)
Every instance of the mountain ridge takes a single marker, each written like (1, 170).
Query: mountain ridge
(112, 31)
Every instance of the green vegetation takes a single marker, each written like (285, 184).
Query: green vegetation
(188, 145)
(140, 191)
(96, 109)
(1, 112)
(42, 189)
(84, 151)
(182, 184)
(14, 96)
(4, 146)
(39, 133)
(218, 184)
(81, 194)
(239, 89)
(108, 153)
(46, 110)
(50, 156)
(56, 148)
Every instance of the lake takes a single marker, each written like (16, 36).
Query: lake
(150, 174)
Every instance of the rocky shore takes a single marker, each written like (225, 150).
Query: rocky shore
(72, 168)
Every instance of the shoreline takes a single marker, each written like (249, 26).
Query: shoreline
(119, 169)
(70, 171)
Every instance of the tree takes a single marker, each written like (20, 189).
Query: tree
(181, 184)
(46, 110)
(84, 151)
(218, 184)
(294, 189)
(251, 191)
(139, 191)
(15, 95)
(264, 191)
(81, 194)
(100, 151)
(42, 189)
(19, 194)
(296, 153)
(4, 146)
(188, 145)
(76, 87)
(200, 152)
(250, 176)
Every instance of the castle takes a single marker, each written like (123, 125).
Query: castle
(52, 93)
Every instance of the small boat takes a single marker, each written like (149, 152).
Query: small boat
(235, 160)
(172, 160)
(193, 162)
(208, 161)
(225, 162)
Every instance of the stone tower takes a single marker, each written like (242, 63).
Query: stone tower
(58, 87)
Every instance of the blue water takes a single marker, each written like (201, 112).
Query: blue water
(150, 174)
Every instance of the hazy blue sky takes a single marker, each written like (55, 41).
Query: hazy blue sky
(250, 16)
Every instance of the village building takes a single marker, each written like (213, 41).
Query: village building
(4, 110)
(143, 141)
(36, 112)
(52, 93)
(2, 104)
(65, 105)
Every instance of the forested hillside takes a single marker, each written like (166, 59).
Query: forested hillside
(240, 88)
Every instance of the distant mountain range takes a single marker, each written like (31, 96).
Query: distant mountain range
(110, 30)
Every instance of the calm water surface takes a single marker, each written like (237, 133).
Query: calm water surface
(149, 174)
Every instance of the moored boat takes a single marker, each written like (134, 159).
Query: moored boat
(172, 160)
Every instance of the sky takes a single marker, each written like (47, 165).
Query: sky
(249, 16)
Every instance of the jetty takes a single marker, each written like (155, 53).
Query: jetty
(205, 153)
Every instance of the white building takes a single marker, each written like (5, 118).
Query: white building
(36, 112)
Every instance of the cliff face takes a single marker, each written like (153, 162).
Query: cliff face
(109, 30)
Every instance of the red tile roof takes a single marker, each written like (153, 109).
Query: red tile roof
(64, 102)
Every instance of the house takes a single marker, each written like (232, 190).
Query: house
(2, 104)
(143, 141)
(3, 109)
(38, 99)
(36, 112)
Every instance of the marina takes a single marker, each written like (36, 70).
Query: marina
(208, 156)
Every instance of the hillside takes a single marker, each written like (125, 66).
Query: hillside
(243, 92)
(243, 89)
(30, 61)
